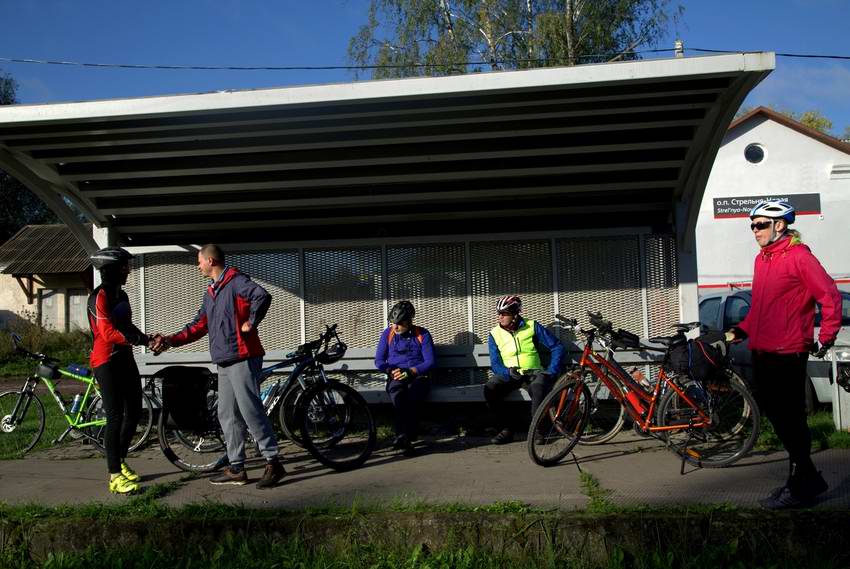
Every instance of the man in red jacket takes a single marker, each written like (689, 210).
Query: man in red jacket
(787, 282)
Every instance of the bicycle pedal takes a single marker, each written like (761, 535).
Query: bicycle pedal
(693, 454)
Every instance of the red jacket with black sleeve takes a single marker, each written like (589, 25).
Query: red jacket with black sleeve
(228, 303)
(110, 320)
(787, 282)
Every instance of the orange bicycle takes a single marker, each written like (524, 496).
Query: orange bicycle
(708, 423)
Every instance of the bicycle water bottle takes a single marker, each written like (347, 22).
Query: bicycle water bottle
(264, 393)
(75, 404)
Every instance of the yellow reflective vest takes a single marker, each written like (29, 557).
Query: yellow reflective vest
(517, 349)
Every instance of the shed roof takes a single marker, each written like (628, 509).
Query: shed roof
(768, 113)
(43, 249)
(591, 145)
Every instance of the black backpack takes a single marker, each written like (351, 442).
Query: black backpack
(185, 398)
(702, 359)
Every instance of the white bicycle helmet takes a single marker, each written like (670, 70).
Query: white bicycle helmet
(775, 209)
(510, 304)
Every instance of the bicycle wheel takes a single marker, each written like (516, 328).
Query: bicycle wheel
(21, 423)
(337, 426)
(143, 429)
(734, 422)
(193, 451)
(558, 423)
(287, 415)
(606, 414)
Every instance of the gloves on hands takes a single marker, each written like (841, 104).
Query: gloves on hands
(820, 351)
(514, 373)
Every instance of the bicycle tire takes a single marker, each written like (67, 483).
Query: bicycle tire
(606, 415)
(143, 429)
(197, 452)
(559, 422)
(337, 426)
(735, 422)
(287, 416)
(18, 435)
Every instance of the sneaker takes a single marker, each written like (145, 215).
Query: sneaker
(504, 437)
(119, 484)
(129, 473)
(231, 475)
(273, 474)
(786, 500)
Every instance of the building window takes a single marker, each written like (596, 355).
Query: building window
(754, 153)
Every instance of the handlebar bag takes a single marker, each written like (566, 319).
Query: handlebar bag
(185, 397)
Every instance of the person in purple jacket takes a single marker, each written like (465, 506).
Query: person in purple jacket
(406, 354)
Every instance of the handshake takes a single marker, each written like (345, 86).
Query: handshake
(158, 343)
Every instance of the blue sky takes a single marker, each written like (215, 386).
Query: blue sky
(243, 32)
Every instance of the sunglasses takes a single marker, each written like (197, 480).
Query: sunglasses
(760, 225)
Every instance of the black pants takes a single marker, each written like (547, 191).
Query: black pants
(407, 397)
(780, 391)
(121, 388)
(538, 384)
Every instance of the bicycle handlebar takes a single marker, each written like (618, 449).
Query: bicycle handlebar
(16, 340)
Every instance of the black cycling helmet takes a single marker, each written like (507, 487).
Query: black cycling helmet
(402, 311)
(109, 257)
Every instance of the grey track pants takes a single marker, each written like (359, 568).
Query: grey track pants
(239, 406)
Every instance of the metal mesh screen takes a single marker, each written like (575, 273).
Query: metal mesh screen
(510, 267)
(344, 286)
(174, 291)
(134, 294)
(662, 283)
(433, 278)
(278, 273)
(601, 274)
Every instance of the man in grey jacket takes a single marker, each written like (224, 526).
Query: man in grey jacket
(232, 308)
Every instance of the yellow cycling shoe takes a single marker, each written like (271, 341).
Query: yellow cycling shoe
(118, 484)
(129, 473)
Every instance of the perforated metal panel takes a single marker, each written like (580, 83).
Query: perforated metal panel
(134, 294)
(433, 278)
(174, 291)
(276, 271)
(662, 283)
(601, 274)
(510, 267)
(344, 286)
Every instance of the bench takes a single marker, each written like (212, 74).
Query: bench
(460, 372)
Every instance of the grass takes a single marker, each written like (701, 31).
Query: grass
(822, 427)
(598, 497)
(65, 347)
(54, 424)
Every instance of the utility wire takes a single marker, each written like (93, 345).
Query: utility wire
(398, 66)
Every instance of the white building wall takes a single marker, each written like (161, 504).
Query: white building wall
(794, 163)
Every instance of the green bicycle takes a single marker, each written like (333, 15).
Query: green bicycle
(22, 414)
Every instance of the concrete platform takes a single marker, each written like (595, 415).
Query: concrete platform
(634, 470)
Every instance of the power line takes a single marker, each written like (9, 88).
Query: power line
(600, 57)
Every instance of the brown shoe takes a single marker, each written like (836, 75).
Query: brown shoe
(273, 474)
(231, 476)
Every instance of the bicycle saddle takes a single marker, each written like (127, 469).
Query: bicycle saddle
(668, 340)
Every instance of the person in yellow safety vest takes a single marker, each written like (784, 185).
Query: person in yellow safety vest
(515, 362)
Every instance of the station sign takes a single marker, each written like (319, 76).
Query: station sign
(740, 206)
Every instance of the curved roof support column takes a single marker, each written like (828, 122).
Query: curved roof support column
(51, 194)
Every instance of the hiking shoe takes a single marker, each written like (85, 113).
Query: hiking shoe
(273, 474)
(504, 437)
(401, 442)
(231, 476)
(120, 485)
(129, 473)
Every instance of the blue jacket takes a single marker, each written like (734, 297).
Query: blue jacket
(405, 351)
(543, 337)
(228, 303)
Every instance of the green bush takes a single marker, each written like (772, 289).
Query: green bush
(66, 347)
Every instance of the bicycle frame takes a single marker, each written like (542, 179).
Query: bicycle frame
(615, 379)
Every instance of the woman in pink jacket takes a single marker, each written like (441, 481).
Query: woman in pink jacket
(787, 282)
